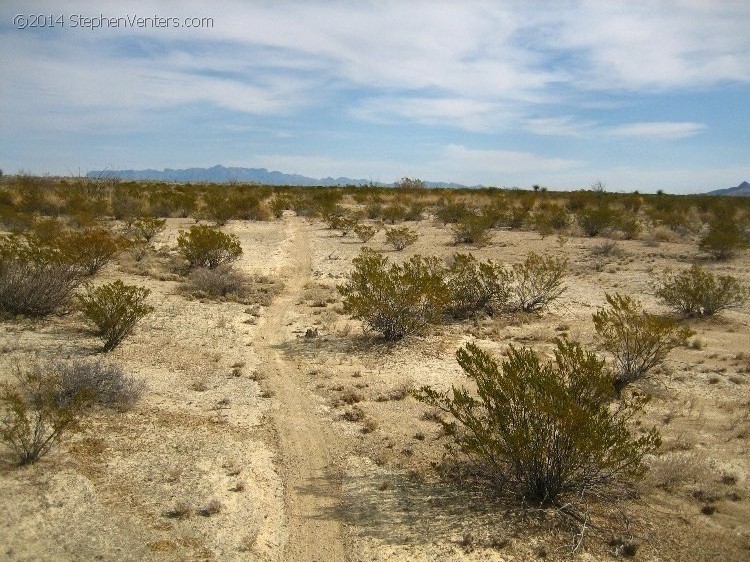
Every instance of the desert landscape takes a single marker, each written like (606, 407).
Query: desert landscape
(266, 422)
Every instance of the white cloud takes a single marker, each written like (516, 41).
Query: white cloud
(559, 126)
(658, 130)
(657, 45)
(504, 161)
(468, 114)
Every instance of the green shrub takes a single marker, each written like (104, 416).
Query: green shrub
(699, 292)
(400, 238)
(452, 212)
(550, 219)
(32, 421)
(364, 232)
(474, 287)
(595, 221)
(545, 432)
(538, 281)
(398, 300)
(394, 213)
(472, 229)
(723, 240)
(637, 340)
(147, 228)
(114, 309)
(92, 249)
(203, 246)
(341, 222)
(35, 280)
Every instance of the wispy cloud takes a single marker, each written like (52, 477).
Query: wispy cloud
(658, 130)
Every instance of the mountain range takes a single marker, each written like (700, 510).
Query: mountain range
(739, 191)
(221, 174)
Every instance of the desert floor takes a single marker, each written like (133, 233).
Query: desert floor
(244, 409)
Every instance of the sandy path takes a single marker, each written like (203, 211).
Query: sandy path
(306, 442)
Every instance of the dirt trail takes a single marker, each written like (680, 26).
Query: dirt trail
(306, 442)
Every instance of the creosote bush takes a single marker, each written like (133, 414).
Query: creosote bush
(35, 279)
(637, 340)
(395, 300)
(400, 238)
(543, 432)
(364, 232)
(723, 240)
(538, 281)
(32, 419)
(204, 246)
(91, 249)
(148, 227)
(472, 229)
(475, 287)
(114, 309)
(697, 292)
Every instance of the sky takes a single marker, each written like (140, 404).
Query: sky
(641, 95)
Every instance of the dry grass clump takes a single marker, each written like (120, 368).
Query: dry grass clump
(96, 382)
(180, 510)
(212, 507)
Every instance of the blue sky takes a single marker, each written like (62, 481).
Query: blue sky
(638, 95)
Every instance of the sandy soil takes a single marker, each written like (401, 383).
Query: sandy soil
(238, 394)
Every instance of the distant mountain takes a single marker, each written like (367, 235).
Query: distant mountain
(220, 174)
(741, 190)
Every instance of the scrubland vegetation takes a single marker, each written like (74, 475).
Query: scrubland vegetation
(583, 354)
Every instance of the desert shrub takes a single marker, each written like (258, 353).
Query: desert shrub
(414, 211)
(400, 238)
(410, 183)
(595, 221)
(126, 207)
(394, 213)
(550, 219)
(249, 207)
(475, 287)
(517, 217)
(543, 431)
(723, 240)
(278, 205)
(472, 229)
(364, 232)
(609, 249)
(148, 227)
(35, 280)
(697, 291)
(217, 207)
(398, 300)
(538, 281)
(219, 283)
(452, 212)
(91, 249)
(341, 222)
(637, 340)
(32, 421)
(629, 226)
(94, 382)
(203, 246)
(114, 309)
(374, 211)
